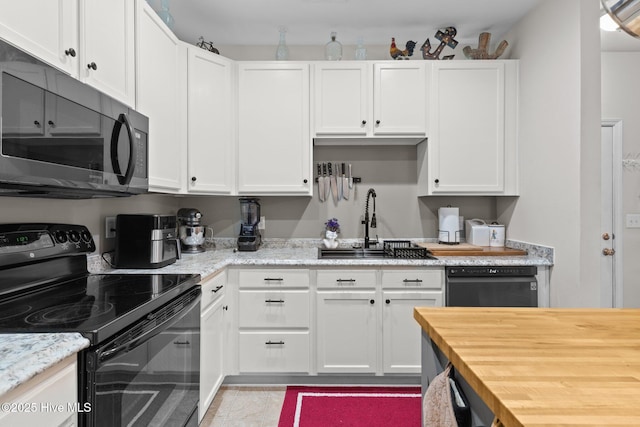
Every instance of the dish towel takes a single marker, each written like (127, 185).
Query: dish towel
(445, 405)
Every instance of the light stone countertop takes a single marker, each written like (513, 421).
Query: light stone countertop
(22, 356)
(211, 261)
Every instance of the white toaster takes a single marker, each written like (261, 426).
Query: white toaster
(477, 232)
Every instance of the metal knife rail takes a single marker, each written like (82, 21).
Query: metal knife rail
(335, 180)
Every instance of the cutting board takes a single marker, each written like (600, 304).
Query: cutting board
(467, 249)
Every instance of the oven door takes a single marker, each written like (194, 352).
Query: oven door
(492, 291)
(148, 375)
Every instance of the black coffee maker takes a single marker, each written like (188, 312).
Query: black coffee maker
(249, 238)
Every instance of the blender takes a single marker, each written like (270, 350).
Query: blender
(191, 232)
(249, 238)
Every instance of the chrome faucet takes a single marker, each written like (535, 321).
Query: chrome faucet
(370, 193)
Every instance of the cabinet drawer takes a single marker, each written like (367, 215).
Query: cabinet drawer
(274, 309)
(212, 289)
(274, 352)
(347, 279)
(273, 278)
(432, 278)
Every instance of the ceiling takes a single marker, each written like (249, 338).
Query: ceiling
(310, 22)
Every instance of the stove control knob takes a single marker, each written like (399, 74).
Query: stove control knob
(60, 236)
(74, 236)
(85, 235)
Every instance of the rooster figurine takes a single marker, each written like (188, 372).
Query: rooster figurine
(401, 54)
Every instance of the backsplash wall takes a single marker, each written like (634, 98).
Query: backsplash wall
(390, 170)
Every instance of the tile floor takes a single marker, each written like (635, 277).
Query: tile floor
(245, 406)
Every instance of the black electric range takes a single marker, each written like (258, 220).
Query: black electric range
(144, 329)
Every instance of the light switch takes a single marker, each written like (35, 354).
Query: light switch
(633, 220)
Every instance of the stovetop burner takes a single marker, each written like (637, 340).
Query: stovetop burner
(69, 314)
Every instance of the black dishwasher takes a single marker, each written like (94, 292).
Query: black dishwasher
(491, 286)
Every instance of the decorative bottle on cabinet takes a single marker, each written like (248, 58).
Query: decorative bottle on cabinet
(282, 52)
(333, 49)
(361, 51)
(165, 15)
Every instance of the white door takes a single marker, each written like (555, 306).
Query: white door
(347, 332)
(611, 224)
(400, 332)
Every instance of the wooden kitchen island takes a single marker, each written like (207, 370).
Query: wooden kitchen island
(539, 367)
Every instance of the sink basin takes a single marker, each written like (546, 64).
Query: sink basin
(350, 253)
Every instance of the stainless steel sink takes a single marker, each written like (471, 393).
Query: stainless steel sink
(350, 253)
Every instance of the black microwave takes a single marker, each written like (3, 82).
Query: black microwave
(64, 139)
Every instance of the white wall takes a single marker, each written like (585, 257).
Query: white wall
(621, 100)
(554, 135)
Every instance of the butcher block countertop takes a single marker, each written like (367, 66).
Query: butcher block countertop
(545, 367)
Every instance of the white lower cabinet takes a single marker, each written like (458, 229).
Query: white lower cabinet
(212, 340)
(57, 387)
(402, 290)
(347, 332)
(400, 332)
(273, 321)
(329, 321)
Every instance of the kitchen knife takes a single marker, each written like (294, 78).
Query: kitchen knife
(320, 183)
(350, 177)
(345, 184)
(333, 183)
(339, 181)
(325, 177)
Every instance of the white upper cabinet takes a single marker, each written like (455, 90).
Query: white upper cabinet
(158, 79)
(47, 29)
(90, 40)
(211, 149)
(107, 58)
(472, 146)
(274, 148)
(370, 99)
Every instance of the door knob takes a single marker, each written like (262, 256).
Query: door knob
(608, 251)
(605, 236)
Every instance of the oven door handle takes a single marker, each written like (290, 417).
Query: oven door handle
(110, 351)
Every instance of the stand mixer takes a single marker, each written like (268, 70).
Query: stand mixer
(249, 238)
(191, 232)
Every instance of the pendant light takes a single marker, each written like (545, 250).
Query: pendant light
(625, 13)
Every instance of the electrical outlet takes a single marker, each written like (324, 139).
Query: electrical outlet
(110, 227)
(262, 224)
(633, 220)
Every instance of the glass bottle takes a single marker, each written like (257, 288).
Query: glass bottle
(361, 51)
(333, 49)
(165, 15)
(282, 52)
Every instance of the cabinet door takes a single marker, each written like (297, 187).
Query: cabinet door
(341, 99)
(400, 98)
(211, 354)
(107, 33)
(55, 388)
(400, 332)
(157, 97)
(347, 330)
(47, 29)
(467, 138)
(211, 155)
(273, 129)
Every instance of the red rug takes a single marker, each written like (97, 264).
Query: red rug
(351, 407)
